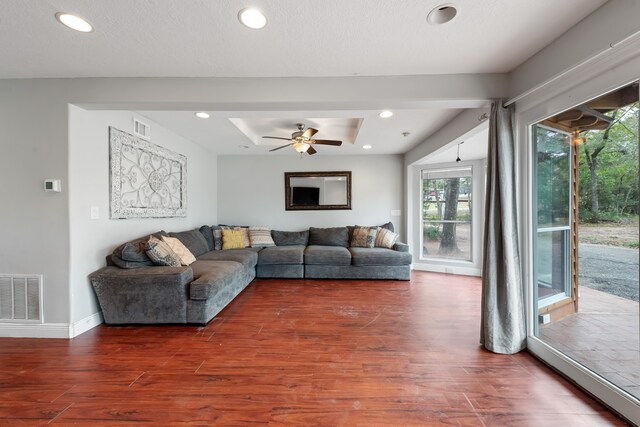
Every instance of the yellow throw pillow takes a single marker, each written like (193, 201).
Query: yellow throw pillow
(185, 255)
(232, 239)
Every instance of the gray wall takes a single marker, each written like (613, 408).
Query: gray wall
(34, 225)
(91, 240)
(251, 191)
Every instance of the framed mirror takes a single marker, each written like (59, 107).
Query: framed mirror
(317, 190)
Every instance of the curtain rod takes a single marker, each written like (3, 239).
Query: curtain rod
(570, 69)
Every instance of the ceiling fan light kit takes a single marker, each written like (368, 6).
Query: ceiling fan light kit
(302, 140)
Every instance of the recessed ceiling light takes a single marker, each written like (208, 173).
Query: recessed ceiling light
(366, 147)
(386, 114)
(442, 14)
(252, 18)
(202, 115)
(74, 22)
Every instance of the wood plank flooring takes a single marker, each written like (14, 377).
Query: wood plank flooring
(296, 352)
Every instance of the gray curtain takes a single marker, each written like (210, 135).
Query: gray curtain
(503, 326)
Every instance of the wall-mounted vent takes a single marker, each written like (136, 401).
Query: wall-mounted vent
(141, 129)
(20, 298)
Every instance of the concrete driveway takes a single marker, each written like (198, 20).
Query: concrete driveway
(609, 269)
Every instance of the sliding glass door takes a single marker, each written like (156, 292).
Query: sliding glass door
(553, 206)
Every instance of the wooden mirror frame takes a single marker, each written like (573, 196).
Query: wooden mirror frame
(287, 190)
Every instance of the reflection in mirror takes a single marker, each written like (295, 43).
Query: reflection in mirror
(317, 190)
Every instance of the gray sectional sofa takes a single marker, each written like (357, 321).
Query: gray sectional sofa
(131, 290)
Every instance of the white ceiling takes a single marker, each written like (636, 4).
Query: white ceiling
(308, 38)
(472, 148)
(203, 38)
(221, 136)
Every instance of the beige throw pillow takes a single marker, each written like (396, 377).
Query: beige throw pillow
(386, 238)
(260, 237)
(185, 255)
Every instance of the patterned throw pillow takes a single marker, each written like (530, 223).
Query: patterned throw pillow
(363, 237)
(260, 237)
(232, 239)
(186, 257)
(160, 253)
(386, 238)
(217, 238)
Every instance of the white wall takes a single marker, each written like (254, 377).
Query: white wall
(251, 191)
(91, 240)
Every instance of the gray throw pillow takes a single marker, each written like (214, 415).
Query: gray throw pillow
(336, 236)
(134, 251)
(207, 233)
(290, 238)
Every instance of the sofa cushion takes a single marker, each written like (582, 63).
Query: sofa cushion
(134, 250)
(245, 256)
(193, 240)
(211, 277)
(327, 255)
(336, 236)
(290, 238)
(385, 238)
(363, 237)
(207, 233)
(379, 256)
(186, 257)
(161, 254)
(260, 237)
(281, 255)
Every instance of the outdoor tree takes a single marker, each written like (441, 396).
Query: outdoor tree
(609, 168)
(448, 243)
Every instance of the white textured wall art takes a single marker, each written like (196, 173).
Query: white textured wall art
(147, 181)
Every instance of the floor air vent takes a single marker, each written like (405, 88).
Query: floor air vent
(20, 298)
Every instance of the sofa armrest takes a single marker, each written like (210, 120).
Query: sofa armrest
(142, 295)
(401, 247)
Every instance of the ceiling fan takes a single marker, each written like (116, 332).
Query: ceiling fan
(302, 140)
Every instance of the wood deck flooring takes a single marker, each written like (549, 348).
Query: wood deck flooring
(604, 336)
(296, 352)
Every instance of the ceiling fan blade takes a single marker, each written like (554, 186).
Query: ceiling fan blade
(282, 146)
(327, 142)
(277, 137)
(309, 132)
(311, 151)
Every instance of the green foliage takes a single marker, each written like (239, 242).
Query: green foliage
(616, 168)
(432, 232)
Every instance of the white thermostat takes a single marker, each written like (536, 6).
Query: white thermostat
(52, 186)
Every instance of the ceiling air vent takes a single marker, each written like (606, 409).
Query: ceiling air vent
(141, 129)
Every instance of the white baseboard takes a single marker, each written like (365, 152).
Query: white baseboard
(37, 330)
(83, 325)
(453, 269)
(50, 330)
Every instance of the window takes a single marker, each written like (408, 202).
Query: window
(447, 213)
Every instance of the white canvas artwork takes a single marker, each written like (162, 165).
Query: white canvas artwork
(147, 181)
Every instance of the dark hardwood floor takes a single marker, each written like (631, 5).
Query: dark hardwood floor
(296, 352)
